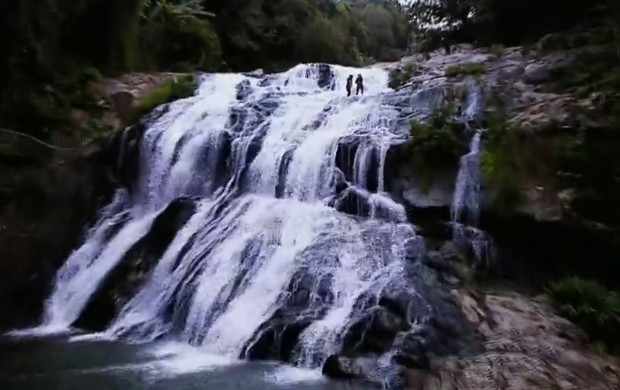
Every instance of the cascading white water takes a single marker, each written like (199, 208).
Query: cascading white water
(259, 155)
(466, 201)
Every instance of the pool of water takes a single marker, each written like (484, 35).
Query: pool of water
(79, 362)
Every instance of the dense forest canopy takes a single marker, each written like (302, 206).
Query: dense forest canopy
(507, 22)
(48, 44)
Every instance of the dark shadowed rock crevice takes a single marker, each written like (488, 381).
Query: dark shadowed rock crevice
(135, 267)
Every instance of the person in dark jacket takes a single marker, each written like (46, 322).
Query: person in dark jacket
(349, 84)
(359, 82)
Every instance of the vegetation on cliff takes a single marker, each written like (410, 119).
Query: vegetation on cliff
(592, 307)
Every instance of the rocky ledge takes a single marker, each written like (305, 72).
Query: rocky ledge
(525, 346)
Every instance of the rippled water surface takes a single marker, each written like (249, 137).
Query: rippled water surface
(62, 363)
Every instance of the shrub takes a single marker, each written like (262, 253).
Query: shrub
(590, 306)
(467, 68)
(440, 140)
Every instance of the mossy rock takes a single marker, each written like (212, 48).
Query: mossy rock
(176, 88)
(436, 145)
(467, 68)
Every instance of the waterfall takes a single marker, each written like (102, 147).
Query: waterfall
(465, 210)
(291, 236)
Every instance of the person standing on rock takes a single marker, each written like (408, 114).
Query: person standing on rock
(359, 82)
(349, 85)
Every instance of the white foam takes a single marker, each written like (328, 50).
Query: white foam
(287, 375)
(177, 359)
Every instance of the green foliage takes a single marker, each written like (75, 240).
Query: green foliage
(178, 37)
(321, 40)
(590, 163)
(501, 21)
(399, 77)
(439, 141)
(467, 68)
(275, 34)
(500, 165)
(173, 89)
(591, 306)
(383, 29)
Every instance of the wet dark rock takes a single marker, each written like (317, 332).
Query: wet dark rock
(411, 353)
(237, 119)
(326, 77)
(244, 88)
(120, 156)
(345, 157)
(307, 299)
(224, 166)
(435, 261)
(441, 329)
(373, 333)
(135, 266)
(339, 181)
(341, 367)
(277, 338)
(353, 201)
(414, 249)
(282, 173)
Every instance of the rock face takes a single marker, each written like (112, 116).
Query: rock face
(525, 346)
(530, 173)
(400, 333)
(66, 194)
(125, 93)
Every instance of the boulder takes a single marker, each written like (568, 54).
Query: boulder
(545, 70)
(341, 367)
(537, 73)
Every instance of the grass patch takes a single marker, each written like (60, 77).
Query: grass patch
(173, 89)
(590, 306)
(467, 68)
